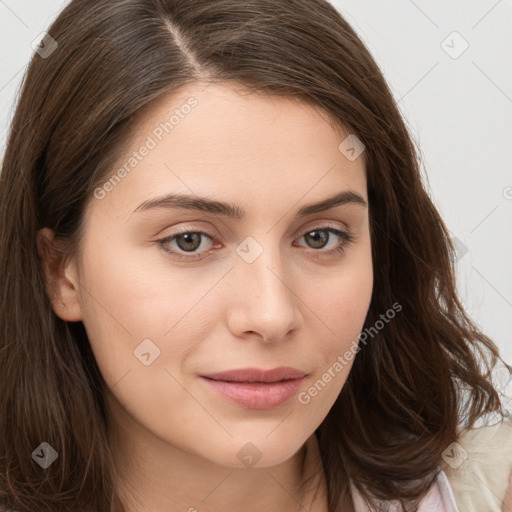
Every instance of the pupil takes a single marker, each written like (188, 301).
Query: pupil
(317, 236)
(192, 241)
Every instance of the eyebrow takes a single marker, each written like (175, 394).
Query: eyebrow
(203, 204)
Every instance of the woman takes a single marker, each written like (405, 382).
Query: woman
(221, 273)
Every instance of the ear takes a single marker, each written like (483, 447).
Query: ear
(60, 277)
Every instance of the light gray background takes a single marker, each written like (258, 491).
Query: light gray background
(459, 111)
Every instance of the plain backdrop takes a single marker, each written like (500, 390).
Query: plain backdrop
(449, 65)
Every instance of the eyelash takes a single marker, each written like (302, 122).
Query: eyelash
(346, 237)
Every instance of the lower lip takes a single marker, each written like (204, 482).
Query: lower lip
(257, 395)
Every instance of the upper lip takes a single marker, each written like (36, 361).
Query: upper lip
(257, 375)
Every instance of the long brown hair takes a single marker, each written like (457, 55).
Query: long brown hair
(420, 378)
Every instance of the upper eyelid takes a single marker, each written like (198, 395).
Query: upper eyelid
(298, 233)
(341, 226)
(324, 225)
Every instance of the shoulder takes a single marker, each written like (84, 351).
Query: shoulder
(479, 466)
(475, 476)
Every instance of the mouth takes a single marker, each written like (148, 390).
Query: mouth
(266, 390)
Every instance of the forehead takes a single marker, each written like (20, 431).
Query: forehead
(206, 115)
(226, 141)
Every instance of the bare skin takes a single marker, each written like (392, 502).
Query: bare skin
(299, 303)
(507, 502)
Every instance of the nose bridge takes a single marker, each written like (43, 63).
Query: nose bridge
(266, 301)
(263, 268)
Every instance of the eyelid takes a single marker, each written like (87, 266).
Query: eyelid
(318, 225)
(191, 229)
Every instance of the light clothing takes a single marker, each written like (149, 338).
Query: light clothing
(480, 483)
(440, 498)
(476, 475)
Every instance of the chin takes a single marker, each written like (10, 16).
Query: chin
(258, 453)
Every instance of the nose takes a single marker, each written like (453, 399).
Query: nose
(264, 304)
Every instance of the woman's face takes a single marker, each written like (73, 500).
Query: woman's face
(170, 290)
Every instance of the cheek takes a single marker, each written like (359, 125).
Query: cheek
(339, 304)
(127, 300)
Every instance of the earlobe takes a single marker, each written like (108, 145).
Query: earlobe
(60, 277)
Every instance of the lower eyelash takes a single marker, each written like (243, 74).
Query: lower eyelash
(345, 236)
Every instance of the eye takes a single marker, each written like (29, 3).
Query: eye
(186, 245)
(318, 238)
(187, 241)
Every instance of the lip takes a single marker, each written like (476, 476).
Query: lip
(257, 389)
(257, 375)
(257, 395)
